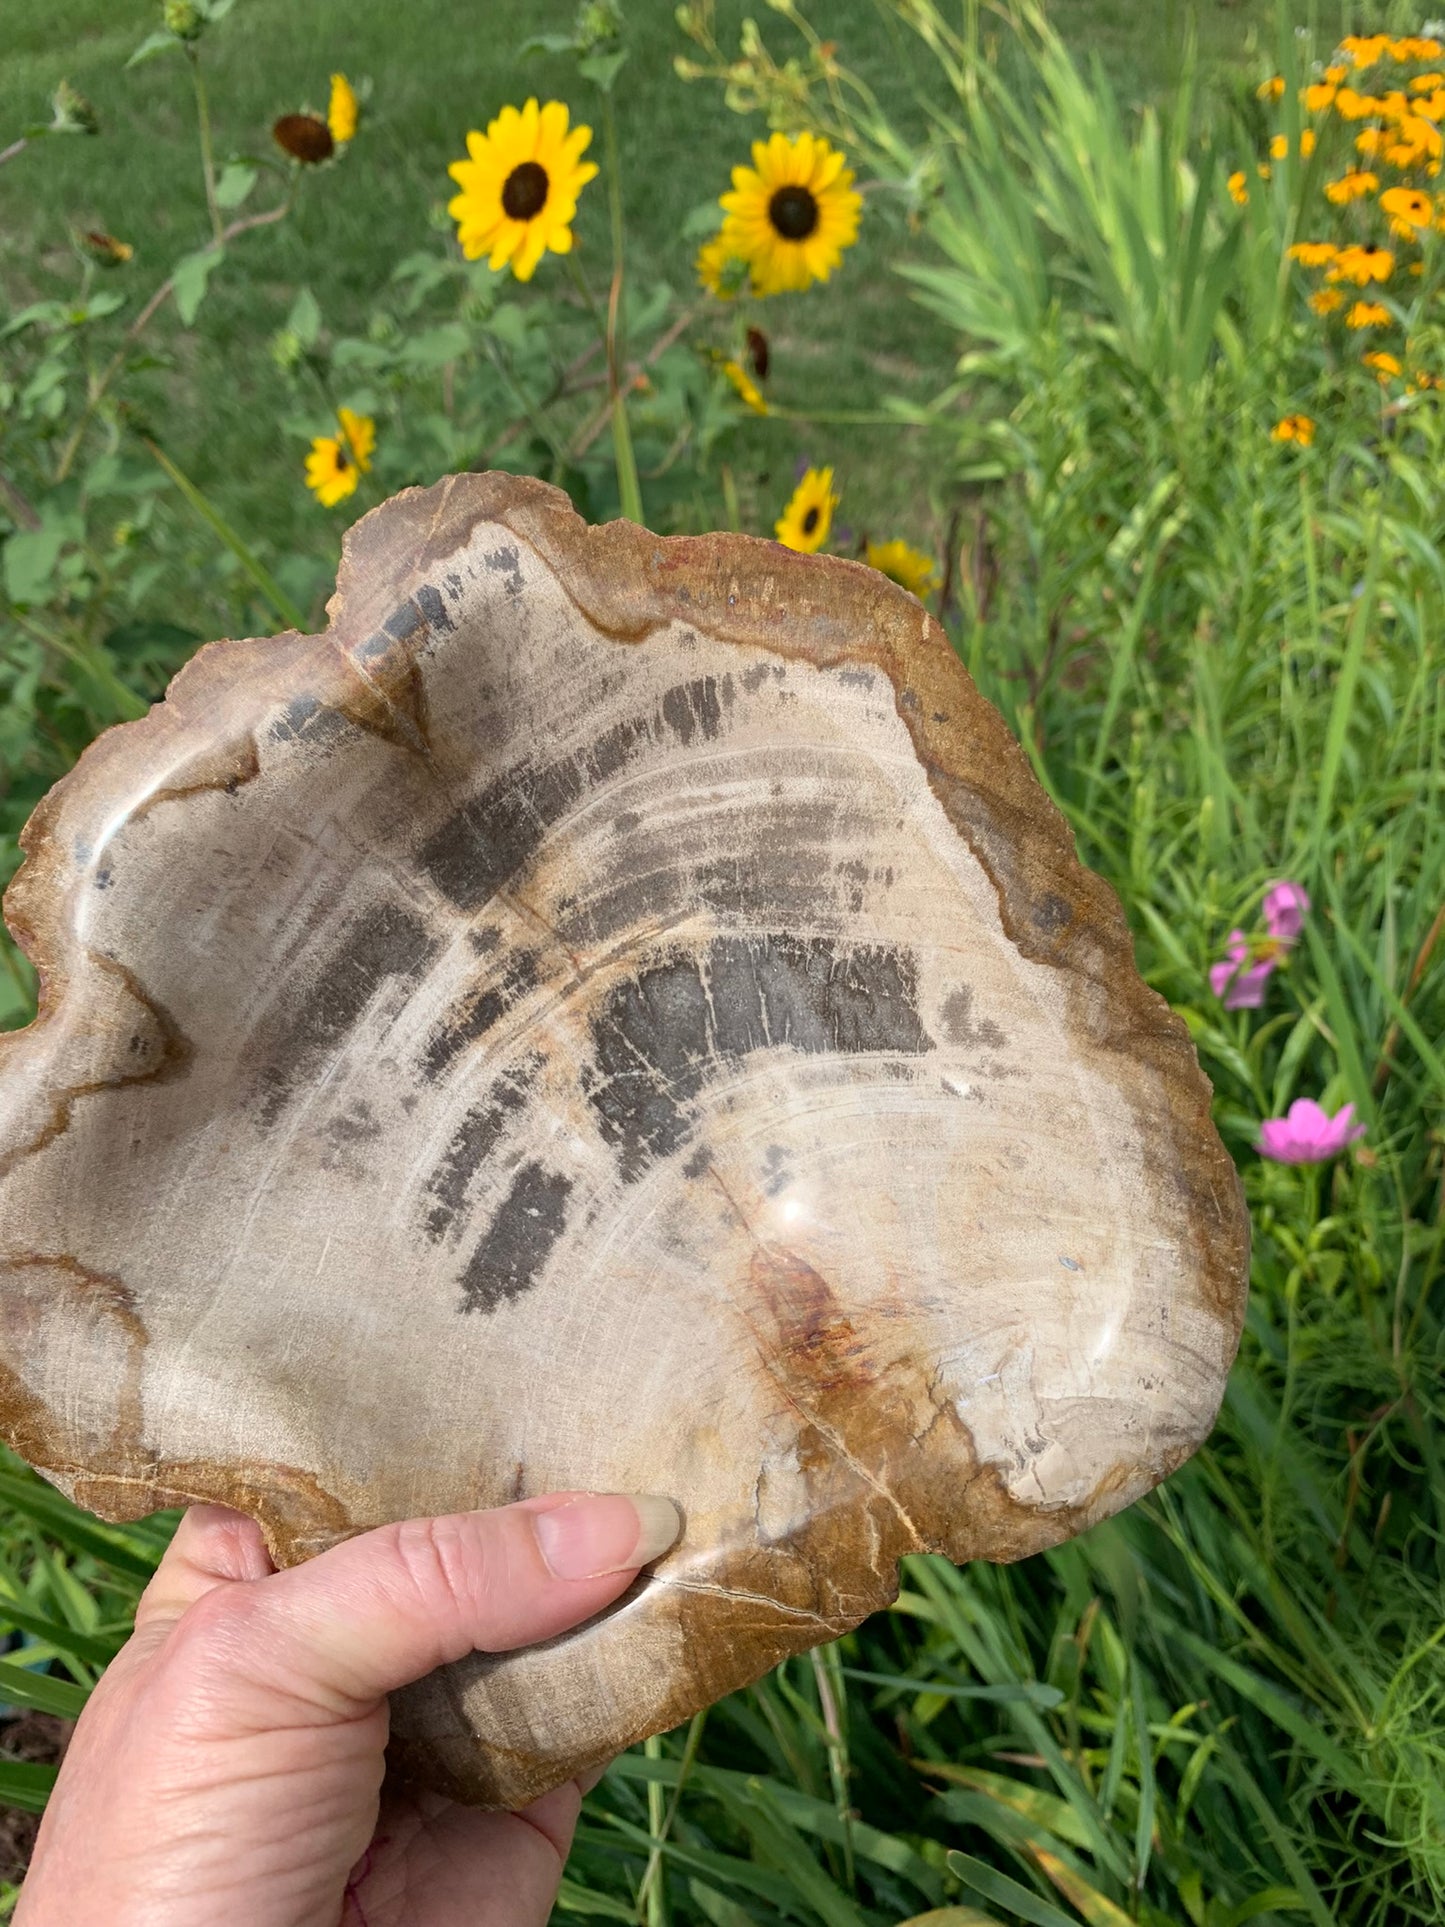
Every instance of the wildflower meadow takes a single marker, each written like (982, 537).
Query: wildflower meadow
(1128, 361)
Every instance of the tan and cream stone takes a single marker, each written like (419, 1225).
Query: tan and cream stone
(611, 1013)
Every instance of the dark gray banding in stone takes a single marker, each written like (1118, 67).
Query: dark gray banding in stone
(309, 717)
(384, 942)
(492, 838)
(518, 1242)
(482, 1012)
(472, 1143)
(658, 1037)
(434, 610)
(507, 562)
(692, 709)
(355, 1125)
(956, 1018)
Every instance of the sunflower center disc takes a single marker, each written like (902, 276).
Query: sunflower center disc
(810, 521)
(525, 191)
(793, 212)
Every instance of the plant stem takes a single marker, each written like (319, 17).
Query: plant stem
(653, 1901)
(208, 159)
(15, 147)
(92, 661)
(629, 489)
(214, 520)
(653, 1871)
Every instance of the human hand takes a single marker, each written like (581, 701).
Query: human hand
(228, 1767)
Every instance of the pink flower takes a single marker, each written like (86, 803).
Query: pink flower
(1240, 983)
(1308, 1135)
(1286, 905)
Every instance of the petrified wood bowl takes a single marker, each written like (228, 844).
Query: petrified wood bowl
(611, 1013)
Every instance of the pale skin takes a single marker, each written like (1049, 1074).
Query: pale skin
(229, 1765)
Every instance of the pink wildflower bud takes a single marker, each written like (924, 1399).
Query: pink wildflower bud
(1286, 905)
(1238, 982)
(1307, 1134)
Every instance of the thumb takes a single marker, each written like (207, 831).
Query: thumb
(335, 1635)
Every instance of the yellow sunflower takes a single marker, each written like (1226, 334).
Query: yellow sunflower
(910, 568)
(344, 110)
(792, 213)
(720, 268)
(809, 515)
(337, 462)
(519, 188)
(748, 391)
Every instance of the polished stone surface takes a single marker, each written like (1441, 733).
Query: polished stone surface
(612, 1013)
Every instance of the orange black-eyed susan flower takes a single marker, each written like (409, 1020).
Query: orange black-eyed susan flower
(1408, 204)
(1313, 254)
(1353, 186)
(1293, 428)
(1327, 301)
(792, 213)
(805, 522)
(1385, 366)
(1362, 265)
(337, 462)
(1364, 50)
(1271, 89)
(1238, 187)
(519, 187)
(1318, 96)
(1368, 314)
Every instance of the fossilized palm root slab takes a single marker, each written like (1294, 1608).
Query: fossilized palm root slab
(611, 1013)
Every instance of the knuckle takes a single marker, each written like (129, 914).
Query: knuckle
(441, 1564)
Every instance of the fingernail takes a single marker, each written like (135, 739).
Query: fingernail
(605, 1532)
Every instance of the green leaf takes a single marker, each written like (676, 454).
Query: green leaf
(438, 346)
(25, 1784)
(235, 184)
(30, 559)
(55, 1515)
(1008, 1893)
(602, 69)
(572, 1898)
(66, 1640)
(21, 1687)
(159, 42)
(189, 278)
(304, 320)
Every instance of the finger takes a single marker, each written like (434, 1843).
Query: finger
(211, 1547)
(434, 1860)
(388, 1606)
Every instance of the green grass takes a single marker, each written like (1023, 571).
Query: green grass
(434, 78)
